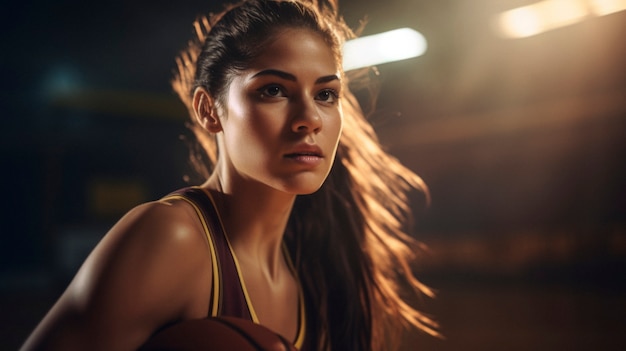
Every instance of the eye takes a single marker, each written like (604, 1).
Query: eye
(327, 95)
(272, 91)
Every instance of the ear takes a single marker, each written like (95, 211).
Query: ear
(206, 111)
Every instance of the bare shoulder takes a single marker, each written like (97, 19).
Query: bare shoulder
(151, 269)
(158, 223)
(164, 237)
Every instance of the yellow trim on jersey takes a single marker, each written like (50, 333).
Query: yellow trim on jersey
(253, 314)
(214, 260)
(302, 310)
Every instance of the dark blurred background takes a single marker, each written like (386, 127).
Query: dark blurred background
(521, 142)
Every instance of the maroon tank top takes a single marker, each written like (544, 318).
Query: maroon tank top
(228, 293)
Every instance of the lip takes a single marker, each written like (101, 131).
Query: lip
(306, 154)
(305, 150)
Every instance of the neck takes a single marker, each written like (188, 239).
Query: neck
(255, 217)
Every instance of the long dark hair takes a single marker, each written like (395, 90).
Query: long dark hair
(347, 239)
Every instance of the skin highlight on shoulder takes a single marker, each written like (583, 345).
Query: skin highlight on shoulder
(150, 270)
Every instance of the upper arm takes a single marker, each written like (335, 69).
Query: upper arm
(143, 275)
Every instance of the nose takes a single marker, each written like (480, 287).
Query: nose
(306, 118)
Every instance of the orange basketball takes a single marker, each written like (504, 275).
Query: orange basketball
(217, 334)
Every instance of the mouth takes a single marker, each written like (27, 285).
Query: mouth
(305, 151)
(304, 154)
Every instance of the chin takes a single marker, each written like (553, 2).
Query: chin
(308, 192)
(303, 186)
(303, 190)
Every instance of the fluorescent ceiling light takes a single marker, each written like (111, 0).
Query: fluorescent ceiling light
(546, 15)
(395, 45)
(606, 7)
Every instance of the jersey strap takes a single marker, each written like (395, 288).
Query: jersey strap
(226, 281)
(229, 296)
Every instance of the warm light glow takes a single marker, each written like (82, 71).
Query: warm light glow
(540, 17)
(546, 15)
(606, 7)
(395, 45)
(521, 22)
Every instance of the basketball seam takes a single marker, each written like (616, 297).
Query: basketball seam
(286, 343)
(241, 332)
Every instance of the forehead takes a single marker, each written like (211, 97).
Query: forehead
(297, 50)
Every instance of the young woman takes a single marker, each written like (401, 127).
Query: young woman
(299, 225)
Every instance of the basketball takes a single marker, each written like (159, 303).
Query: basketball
(217, 334)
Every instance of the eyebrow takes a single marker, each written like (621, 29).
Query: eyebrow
(291, 77)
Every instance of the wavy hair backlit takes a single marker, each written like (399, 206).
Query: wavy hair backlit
(348, 239)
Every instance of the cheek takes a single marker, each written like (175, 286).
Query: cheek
(262, 126)
(240, 121)
(336, 124)
(274, 121)
(252, 130)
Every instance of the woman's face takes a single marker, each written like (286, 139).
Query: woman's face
(282, 119)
